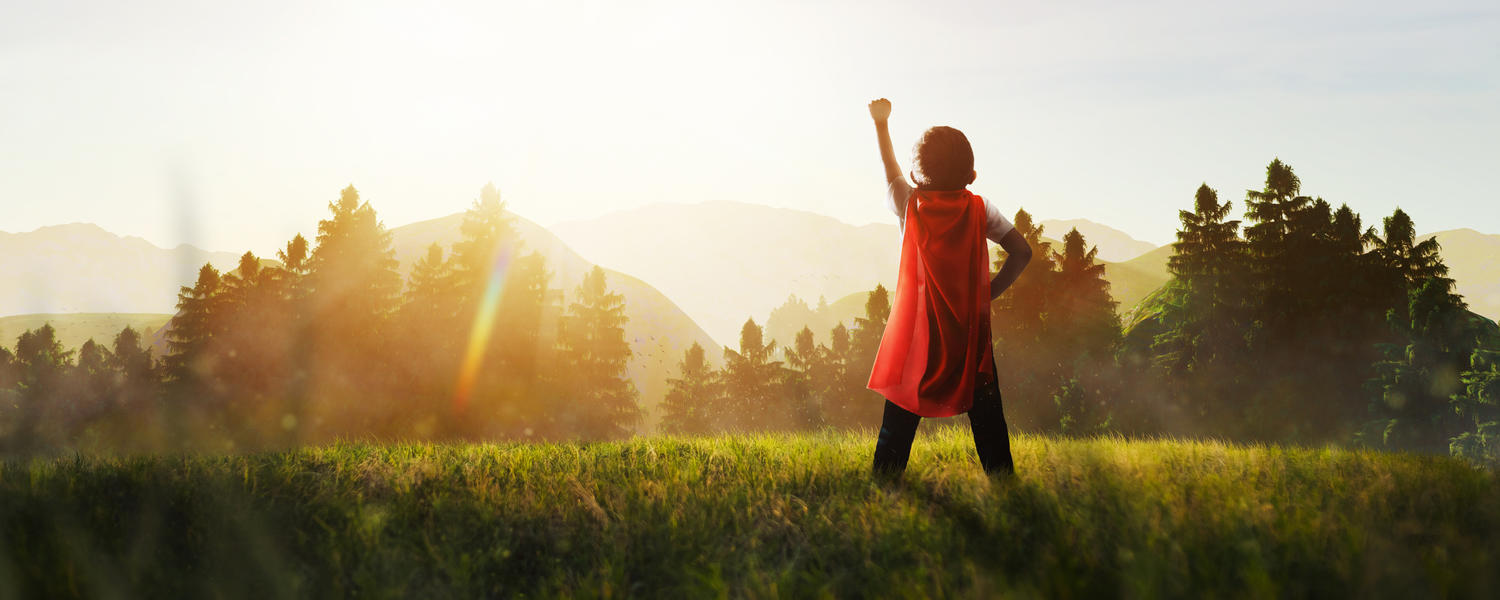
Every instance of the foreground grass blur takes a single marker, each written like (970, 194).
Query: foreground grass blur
(766, 515)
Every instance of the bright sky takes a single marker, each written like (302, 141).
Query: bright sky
(231, 125)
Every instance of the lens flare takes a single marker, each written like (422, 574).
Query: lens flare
(484, 324)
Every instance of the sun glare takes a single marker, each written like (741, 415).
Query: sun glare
(484, 325)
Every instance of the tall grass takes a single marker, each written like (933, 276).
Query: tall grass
(758, 515)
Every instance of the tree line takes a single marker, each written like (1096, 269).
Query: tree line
(1293, 325)
(327, 341)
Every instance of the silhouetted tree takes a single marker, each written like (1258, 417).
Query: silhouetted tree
(803, 359)
(1414, 384)
(598, 399)
(191, 367)
(428, 321)
(1081, 318)
(42, 407)
(752, 382)
(353, 292)
(691, 396)
(862, 406)
(1028, 368)
(525, 337)
(1202, 347)
(137, 417)
(844, 397)
(1478, 407)
(92, 388)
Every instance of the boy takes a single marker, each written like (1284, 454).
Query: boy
(935, 358)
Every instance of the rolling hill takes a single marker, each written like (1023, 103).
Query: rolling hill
(81, 268)
(725, 262)
(1132, 280)
(73, 329)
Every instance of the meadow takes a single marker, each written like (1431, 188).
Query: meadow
(752, 516)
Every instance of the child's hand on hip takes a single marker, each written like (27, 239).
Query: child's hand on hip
(880, 110)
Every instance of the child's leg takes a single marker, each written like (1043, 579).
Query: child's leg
(991, 436)
(897, 429)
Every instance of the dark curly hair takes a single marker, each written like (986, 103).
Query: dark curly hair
(942, 160)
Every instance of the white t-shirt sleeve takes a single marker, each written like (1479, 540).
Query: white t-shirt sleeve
(896, 193)
(996, 225)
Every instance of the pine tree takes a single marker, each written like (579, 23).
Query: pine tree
(487, 260)
(1404, 263)
(1084, 311)
(1477, 405)
(10, 376)
(42, 364)
(842, 396)
(1025, 349)
(523, 341)
(487, 232)
(752, 381)
(93, 385)
(1412, 387)
(296, 263)
(598, 401)
(10, 402)
(136, 396)
(1294, 302)
(691, 396)
(1273, 241)
(428, 322)
(1086, 327)
(863, 406)
(803, 359)
(287, 336)
(190, 368)
(750, 376)
(251, 351)
(1202, 348)
(353, 292)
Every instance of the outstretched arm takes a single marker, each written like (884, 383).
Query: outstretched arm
(880, 111)
(1017, 255)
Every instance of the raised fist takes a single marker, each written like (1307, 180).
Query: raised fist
(880, 110)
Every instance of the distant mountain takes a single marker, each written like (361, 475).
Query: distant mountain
(73, 329)
(1114, 245)
(724, 262)
(788, 319)
(1473, 260)
(81, 268)
(659, 332)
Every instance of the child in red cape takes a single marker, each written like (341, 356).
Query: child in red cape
(935, 358)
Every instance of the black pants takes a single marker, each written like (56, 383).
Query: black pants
(986, 419)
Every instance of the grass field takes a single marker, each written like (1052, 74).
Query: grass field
(756, 516)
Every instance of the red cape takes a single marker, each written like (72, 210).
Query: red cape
(936, 343)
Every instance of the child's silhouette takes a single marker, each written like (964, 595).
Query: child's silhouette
(935, 358)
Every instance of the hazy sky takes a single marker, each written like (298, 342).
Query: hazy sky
(232, 125)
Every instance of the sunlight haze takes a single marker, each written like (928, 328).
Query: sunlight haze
(231, 126)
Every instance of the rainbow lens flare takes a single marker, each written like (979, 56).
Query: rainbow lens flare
(484, 324)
